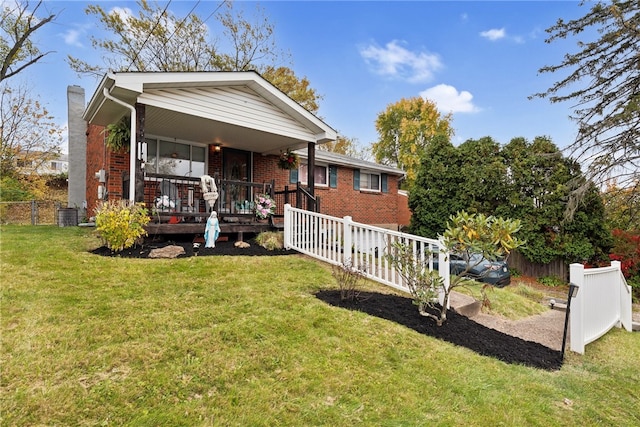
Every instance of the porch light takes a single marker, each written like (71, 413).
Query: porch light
(215, 148)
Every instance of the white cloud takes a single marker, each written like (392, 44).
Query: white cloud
(494, 34)
(396, 61)
(72, 37)
(448, 99)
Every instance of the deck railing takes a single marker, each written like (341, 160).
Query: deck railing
(603, 301)
(341, 241)
(176, 196)
(297, 196)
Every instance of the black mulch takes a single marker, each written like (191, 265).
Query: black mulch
(458, 329)
(222, 248)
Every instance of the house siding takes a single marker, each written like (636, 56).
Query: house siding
(236, 105)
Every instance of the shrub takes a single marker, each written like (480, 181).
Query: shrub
(422, 283)
(552, 281)
(120, 224)
(271, 240)
(626, 249)
(466, 234)
(349, 276)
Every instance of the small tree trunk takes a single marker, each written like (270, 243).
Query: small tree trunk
(443, 309)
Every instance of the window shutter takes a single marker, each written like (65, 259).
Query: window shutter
(383, 183)
(356, 179)
(333, 176)
(293, 176)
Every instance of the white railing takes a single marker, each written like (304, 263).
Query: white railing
(341, 241)
(602, 302)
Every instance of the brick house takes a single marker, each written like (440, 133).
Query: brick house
(232, 126)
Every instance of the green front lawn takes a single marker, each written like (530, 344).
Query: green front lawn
(89, 340)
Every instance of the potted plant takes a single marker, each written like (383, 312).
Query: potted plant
(265, 206)
(288, 160)
(118, 134)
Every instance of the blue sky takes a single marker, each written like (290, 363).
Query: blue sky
(477, 59)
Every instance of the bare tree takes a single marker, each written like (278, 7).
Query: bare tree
(604, 85)
(17, 25)
(28, 135)
(158, 40)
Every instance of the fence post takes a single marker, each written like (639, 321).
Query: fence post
(288, 225)
(348, 240)
(576, 276)
(34, 212)
(443, 271)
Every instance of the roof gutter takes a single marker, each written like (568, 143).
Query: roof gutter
(132, 142)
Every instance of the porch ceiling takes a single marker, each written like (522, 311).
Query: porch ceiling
(171, 124)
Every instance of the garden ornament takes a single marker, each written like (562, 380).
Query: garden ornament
(212, 230)
(209, 191)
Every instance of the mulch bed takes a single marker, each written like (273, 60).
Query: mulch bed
(222, 248)
(458, 329)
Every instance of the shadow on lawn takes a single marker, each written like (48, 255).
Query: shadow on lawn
(458, 329)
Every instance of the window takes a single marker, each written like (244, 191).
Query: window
(320, 175)
(175, 158)
(56, 166)
(369, 181)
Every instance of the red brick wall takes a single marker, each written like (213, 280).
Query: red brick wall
(100, 157)
(375, 208)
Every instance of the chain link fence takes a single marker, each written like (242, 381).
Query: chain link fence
(37, 212)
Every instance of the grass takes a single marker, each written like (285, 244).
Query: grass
(242, 341)
(513, 302)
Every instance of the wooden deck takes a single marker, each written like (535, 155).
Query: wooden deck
(198, 228)
(195, 223)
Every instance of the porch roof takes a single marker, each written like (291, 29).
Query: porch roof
(234, 109)
(351, 162)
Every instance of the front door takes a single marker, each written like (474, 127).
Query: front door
(236, 166)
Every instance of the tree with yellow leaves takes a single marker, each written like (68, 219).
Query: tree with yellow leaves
(405, 129)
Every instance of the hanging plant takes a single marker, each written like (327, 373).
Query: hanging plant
(288, 160)
(119, 134)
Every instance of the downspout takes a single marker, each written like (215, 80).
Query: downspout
(132, 142)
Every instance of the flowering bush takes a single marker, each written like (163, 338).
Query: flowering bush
(265, 206)
(288, 160)
(120, 223)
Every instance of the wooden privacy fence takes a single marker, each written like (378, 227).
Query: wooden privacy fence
(557, 267)
(341, 241)
(602, 302)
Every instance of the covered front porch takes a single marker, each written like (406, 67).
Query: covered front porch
(177, 204)
(231, 126)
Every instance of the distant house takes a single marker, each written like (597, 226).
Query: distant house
(232, 126)
(42, 164)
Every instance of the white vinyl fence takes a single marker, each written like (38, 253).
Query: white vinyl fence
(603, 301)
(341, 241)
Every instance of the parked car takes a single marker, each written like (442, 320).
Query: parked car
(481, 269)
